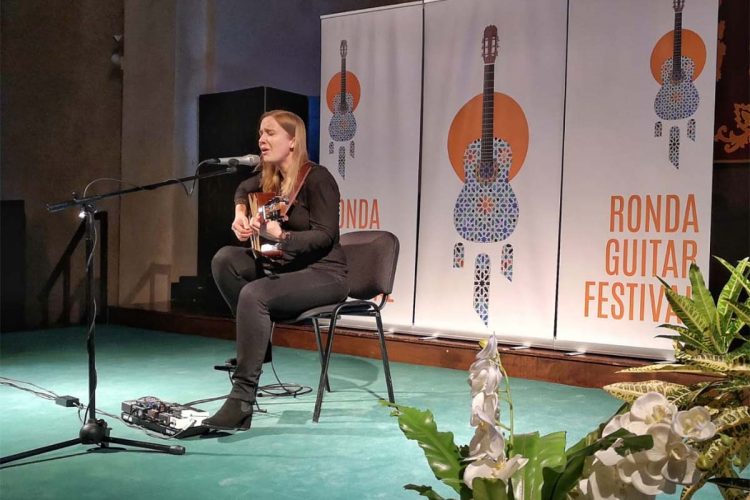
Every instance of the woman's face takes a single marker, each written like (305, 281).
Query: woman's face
(275, 143)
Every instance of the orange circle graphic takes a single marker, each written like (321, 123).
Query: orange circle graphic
(509, 123)
(692, 47)
(334, 88)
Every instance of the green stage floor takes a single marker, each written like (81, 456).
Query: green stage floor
(355, 452)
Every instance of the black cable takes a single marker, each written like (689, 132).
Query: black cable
(99, 179)
(282, 389)
(188, 191)
(47, 394)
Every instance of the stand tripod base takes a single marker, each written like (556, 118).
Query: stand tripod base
(95, 432)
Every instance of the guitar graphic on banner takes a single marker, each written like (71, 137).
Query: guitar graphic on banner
(678, 97)
(487, 209)
(342, 97)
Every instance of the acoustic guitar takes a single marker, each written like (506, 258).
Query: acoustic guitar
(487, 210)
(677, 98)
(271, 207)
(343, 126)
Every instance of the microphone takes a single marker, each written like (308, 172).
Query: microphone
(233, 161)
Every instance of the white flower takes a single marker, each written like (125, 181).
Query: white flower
(604, 483)
(670, 461)
(680, 468)
(694, 423)
(657, 469)
(494, 469)
(487, 441)
(643, 475)
(617, 422)
(652, 408)
(677, 460)
(490, 350)
(610, 457)
(484, 376)
(484, 408)
(649, 409)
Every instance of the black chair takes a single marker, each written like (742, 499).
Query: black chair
(371, 257)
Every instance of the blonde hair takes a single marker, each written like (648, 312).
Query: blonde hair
(271, 179)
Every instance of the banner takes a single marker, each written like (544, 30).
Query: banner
(371, 72)
(637, 167)
(491, 167)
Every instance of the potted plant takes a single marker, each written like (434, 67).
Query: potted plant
(664, 435)
(713, 340)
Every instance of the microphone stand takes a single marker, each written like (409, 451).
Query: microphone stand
(96, 431)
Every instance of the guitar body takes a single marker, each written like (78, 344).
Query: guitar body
(677, 100)
(343, 126)
(272, 208)
(486, 209)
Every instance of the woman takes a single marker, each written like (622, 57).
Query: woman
(310, 272)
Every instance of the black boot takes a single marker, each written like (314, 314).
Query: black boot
(234, 414)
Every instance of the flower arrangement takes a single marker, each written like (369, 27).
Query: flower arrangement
(665, 435)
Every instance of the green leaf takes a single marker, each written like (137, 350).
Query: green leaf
(441, 452)
(593, 436)
(730, 485)
(721, 364)
(739, 277)
(724, 447)
(669, 368)
(731, 290)
(630, 391)
(742, 311)
(697, 325)
(705, 306)
(490, 489)
(732, 418)
(424, 491)
(682, 330)
(547, 452)
(743, 351)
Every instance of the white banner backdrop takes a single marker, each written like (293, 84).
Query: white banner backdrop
(491, 167)
(369, 139)
(638, 166)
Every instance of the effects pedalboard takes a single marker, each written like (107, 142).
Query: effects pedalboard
(170, 419)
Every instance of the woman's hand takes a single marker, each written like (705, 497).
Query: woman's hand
(255, 223)
(241, 226)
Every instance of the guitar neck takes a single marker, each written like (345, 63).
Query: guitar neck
(677, 51)
(488, 112)
(342, 102)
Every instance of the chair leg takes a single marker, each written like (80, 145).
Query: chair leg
(316, 327)
(324, 370)
(384, 355)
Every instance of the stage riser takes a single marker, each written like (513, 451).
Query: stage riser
(588, 370)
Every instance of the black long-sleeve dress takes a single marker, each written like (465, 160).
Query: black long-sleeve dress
(311, 272)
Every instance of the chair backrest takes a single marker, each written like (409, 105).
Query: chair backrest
(371, 257)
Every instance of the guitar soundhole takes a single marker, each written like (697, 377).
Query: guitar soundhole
(487, 171)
